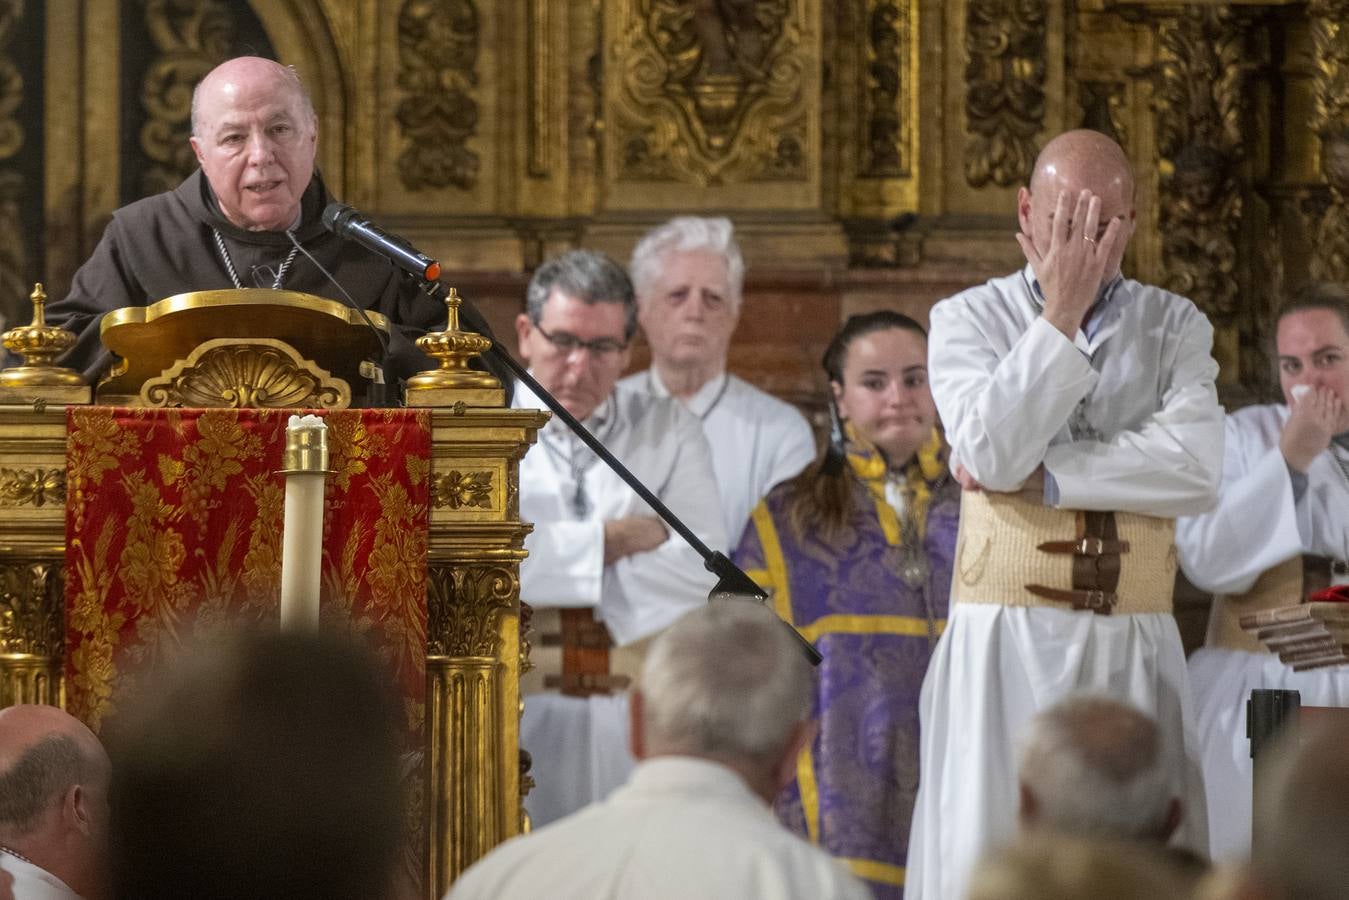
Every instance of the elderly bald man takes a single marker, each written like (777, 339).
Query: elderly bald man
(1082, 416)
(53, 806)
(236, 223)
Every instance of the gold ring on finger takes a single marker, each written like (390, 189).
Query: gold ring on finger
(1089, 240)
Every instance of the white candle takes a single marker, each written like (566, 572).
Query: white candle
(305, 468)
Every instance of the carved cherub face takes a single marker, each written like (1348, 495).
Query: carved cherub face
(1200, 173)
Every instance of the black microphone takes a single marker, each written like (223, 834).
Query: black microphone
(346, 222)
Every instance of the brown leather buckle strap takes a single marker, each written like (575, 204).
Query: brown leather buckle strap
(1096, 564)
(1087, 546)
(1099, 602)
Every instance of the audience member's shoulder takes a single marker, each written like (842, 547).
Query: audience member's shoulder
(637, 380)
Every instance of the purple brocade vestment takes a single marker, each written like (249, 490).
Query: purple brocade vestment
(855, 786)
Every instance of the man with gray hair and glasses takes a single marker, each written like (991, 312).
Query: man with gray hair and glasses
(689, 277)
(1092, 766)
(53, 806)
(603, 574)
(719, 715)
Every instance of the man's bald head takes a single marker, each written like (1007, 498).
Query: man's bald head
(1070, 164)
(226, 77)
(1085, 158)
(255, 135)
(43, 752)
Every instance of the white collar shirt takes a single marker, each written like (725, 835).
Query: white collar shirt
(681, 827)
(34, 882)
(757, 440)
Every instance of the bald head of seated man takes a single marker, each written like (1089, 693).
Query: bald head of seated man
(54, 813)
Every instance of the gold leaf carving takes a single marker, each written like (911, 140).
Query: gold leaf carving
(191, 37)
(458, 490)
(1202, 67)
(263, 374)
(437, 59)
(32, 487)
(1104, 108)
(1330, 217)
(711, 92)
(464, 608)
(1004, 88)
(885, 148)
(31, 608)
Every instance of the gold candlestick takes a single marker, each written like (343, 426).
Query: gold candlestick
(454, 382)
(39, 377)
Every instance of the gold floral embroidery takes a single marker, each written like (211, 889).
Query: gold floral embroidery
(262, 561)
(96, 446)
(350, 444)
(396, 562)
(91, 664)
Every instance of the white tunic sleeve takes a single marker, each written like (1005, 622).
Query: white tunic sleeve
(1168, 465)
(1253, 528)
(1002, 411)
(1007, 383)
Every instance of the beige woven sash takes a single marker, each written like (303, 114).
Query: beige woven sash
(998, 553)
(1286, 584)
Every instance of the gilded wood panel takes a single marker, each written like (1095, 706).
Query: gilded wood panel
(711, 105)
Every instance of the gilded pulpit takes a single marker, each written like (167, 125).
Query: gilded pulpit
(131, 530)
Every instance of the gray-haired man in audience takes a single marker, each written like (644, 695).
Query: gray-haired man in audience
(720, 712)
(1093, 766)
(53, 806)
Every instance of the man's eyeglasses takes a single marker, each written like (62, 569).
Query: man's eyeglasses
(567, 344)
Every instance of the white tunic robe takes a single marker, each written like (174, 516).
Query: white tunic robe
(681, 828)
(1256, 526)
(31, 882)
(757, 441)
(1125, 418)
(579, 744)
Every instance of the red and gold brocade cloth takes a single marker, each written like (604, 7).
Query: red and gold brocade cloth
(173, 527)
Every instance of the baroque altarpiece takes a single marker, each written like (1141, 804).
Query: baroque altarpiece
(869, 151)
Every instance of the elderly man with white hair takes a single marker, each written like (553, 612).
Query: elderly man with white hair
(721, 710)
(1092, 766)
(689, 276)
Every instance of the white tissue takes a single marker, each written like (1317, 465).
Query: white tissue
(1299, 391)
